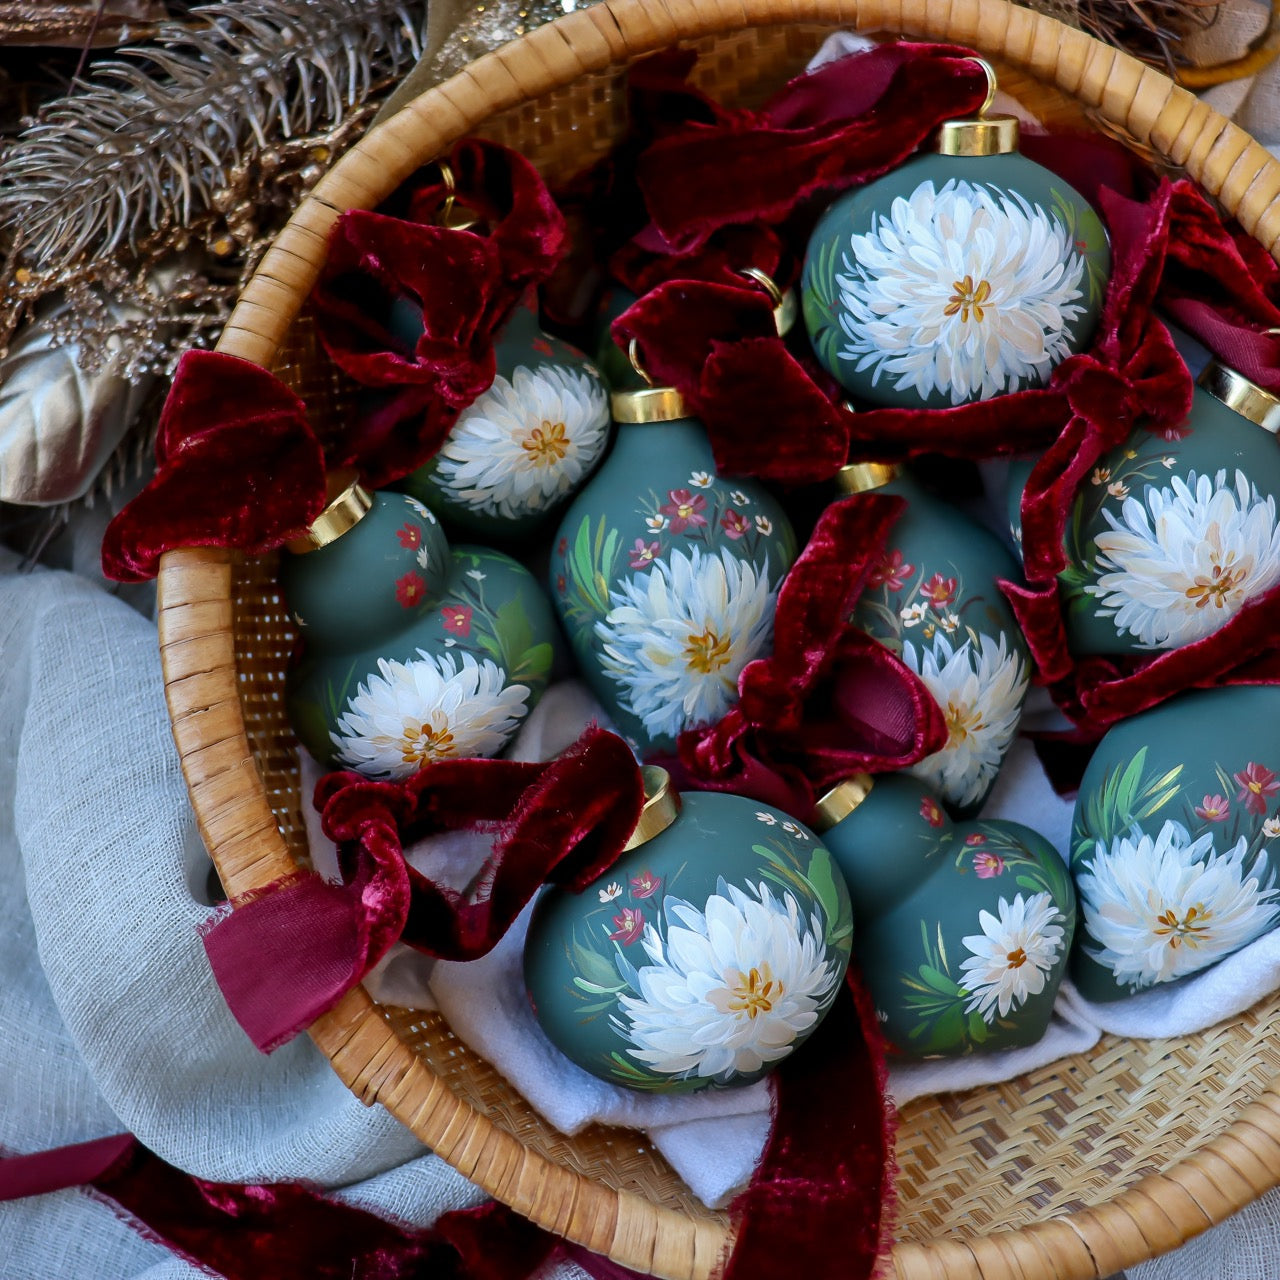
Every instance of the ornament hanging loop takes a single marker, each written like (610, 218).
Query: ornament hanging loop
(649, 404)
(981, 134)
(451, 214)
(633, 354)
(990, 72)
(784, 303)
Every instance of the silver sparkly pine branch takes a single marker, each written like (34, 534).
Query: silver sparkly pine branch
(155, 137)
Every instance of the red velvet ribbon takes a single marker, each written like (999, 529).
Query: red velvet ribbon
(289, 953)
(829, 701)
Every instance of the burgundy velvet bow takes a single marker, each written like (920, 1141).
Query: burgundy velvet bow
(829, 701)
(288, 953)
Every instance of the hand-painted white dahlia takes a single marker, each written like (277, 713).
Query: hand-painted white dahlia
(730, 988)
(965, 291)
(980, 689)
(679, 634)
(1185, 561)
(1163, 908)
(428, 709)
(1013, 955)
(525, 442)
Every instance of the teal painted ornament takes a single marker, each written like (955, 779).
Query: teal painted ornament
(666, 575)
(409, 652)
(618, 371)
(523, 447)
(956, 277)
(934, 600)
(1176, 840)
(1171, 535)
(708, 953)
(961, 931)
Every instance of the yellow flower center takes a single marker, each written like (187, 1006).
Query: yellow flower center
(547, 444)
(1016, 958)
(706, 653)
(1215, 589)
(425, 742)
(1192, 928)
(968, 297)
(753, 992)
(962, 720)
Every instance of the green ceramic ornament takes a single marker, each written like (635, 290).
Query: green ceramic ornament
(523, 447)
(934, 601)
(618, 371)
(708, 953)
(665, 575)
(409, 653)
(961, 931)
(955, 277)
(1171, 535)
(1175, 846)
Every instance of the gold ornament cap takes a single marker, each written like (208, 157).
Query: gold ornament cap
(983, 134)
(862, 477)
(347, 505)
(661, 807)
(838, 803)
(1246, 398)
(649, 403)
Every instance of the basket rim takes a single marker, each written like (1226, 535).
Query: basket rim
(226, 789)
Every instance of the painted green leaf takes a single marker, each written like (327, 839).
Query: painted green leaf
(597, 969)
(821, 875)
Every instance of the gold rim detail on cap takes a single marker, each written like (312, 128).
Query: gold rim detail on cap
(1245, 397)
(650, 403)
(860, 477)
(347, 506)
(785, 306)
(979, 136)
(838, 803)
(661, 807)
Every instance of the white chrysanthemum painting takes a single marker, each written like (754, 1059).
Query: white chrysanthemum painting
(980, 688)
(962, 290)
(1161, 908)
(1012, 957)
(525, 442)
(431, 708)
(679, 634)
(730, 988)
(1184, 559)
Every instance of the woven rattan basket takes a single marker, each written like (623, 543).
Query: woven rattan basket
(1073, 1171)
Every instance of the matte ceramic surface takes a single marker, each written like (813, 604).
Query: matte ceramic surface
(961, 932)
(1176, 840)
(702, 959)
(666, 579)
(1170, 536)
(952, 279)
(409, 653)
(612, 361)
(524, 447)
(933, 600)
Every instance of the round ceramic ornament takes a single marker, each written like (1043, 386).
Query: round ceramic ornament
(961, 931)
(408, 652)
(934, 600)
(1175, 844)
(709, 952)
(523, 447)
(1173, 533)
(956, 277)
(666, 575)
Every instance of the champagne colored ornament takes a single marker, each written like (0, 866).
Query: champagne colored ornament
(521, 450)
(956, 277)
(709, 952)
(666, 575)
(409, 653)
(934, 600)
(961, 931)
(1173, 534)
(1174, 844)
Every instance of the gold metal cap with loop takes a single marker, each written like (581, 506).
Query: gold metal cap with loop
(785, 306)
(1245, 397)
(862, 477)
(983, 134)
(650, 403)
(661, 807)
(452, 213)
(345, 506)
(838, 803)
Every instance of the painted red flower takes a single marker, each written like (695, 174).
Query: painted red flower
(931, 811)
(645, 885)
(1257, 785)
(1216, 808)
(642, 554)
(628, 927)
(457, 619)
(891, 572)
(976, 838)
(939, 591)
(562, 546)
(685, 509)
(1175, 431)
(735, 524)
(987, 865)
(561, 585)
(542, 347)
(410, 536)
(410, 589)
